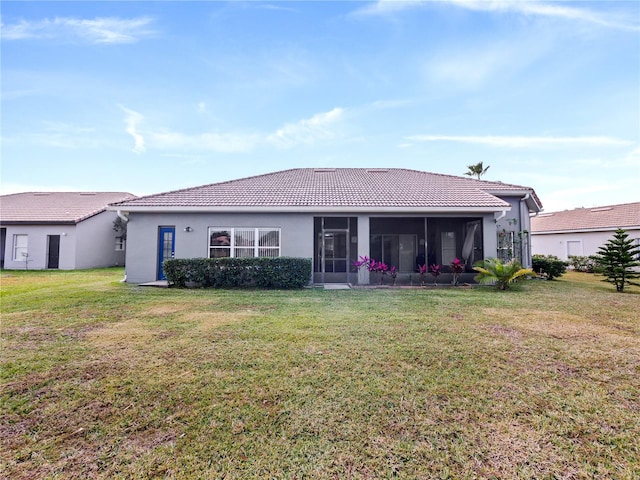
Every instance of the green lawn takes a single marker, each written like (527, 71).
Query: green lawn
(105, 380)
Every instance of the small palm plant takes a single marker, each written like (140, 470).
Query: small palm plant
(493, 272)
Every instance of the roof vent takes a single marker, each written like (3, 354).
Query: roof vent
(601, 209)
(41, 194)
(323, 170)
(88, 193)
(377, 170)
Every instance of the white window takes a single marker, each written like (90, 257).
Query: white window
(244, 242)
(120, 244)
(20, 243)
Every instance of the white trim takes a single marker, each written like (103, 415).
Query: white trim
(120, 244)
(526, 193)
(315, 209)
(23, 249)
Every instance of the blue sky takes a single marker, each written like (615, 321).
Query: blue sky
(147, 97)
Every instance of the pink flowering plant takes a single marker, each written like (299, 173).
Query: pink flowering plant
(422, 270)
(457, 269)
(435, 271)
(376, 267)
(363, 262)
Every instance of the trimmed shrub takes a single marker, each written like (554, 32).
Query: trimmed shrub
(279, 272)
(584, 264)
(548, 265)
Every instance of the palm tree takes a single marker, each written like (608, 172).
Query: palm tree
(493, 272)
(477, 170)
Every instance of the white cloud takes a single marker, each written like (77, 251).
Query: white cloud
(105, 30)
(591, 192)
(132, 120)
(308, 131)
(215, 142)
(550, 10)
(609, 20)
(631, 159)
(385, 7)
(472, 69)
(525, 142)
(319, 127)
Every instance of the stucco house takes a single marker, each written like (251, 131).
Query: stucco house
(60, 230)
(582, 231)
(333, 216)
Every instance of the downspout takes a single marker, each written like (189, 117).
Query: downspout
(501, 216)
(527, 253)
(125, 219)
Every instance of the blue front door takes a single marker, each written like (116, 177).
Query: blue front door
(166, 247)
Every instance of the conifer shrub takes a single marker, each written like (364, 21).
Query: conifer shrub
(617, 259)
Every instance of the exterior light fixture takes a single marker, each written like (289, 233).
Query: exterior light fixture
(188, 229)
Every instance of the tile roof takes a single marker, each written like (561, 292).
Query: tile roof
(339, 187)
(55, 207)
(607, 217)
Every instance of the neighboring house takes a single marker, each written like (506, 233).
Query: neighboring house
(582, 231)
(57, 230)
(332, 215)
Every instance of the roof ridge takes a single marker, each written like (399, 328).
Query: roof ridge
(66, 192)
(597, 206)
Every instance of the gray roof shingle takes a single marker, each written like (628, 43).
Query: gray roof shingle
(339, 187)
(607, 217)
(55, 207)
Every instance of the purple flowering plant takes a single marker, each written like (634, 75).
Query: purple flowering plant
(435, 270)
(376, 267)
(457, 269)
(422, 270)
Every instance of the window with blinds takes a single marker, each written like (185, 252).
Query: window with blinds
(244, 242)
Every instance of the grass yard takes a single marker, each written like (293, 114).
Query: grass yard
(107, 380)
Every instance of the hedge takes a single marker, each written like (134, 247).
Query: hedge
(262, 272)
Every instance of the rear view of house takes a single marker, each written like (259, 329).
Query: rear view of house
(60, 230)
(580, 232)
(402, 217)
